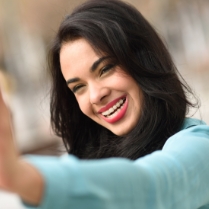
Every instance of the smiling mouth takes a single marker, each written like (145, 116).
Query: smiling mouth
(114, 109)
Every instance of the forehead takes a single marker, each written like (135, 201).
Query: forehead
(75, 56)
(78, 47)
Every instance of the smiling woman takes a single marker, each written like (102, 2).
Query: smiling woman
(143, 75)
(115, 93)
(105, 93)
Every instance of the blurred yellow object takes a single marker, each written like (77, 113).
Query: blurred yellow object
(6, 82)
(6, 86)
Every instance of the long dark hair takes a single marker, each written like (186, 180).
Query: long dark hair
(119, 30)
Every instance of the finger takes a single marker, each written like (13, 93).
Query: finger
(5, 124)
(3, 99)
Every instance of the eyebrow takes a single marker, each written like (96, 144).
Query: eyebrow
(95, 64)
(92, 69)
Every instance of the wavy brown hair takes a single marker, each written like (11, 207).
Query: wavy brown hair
(119, 30)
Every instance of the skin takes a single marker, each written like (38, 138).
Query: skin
(97, 81)
(16, 175)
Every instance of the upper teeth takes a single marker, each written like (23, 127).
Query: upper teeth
(112, 109)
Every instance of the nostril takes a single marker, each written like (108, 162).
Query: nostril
(98, 94)
(103, 97)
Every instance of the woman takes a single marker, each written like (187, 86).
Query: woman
(116, 93)
(122, 34)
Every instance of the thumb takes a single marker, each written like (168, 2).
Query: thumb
(3, 96)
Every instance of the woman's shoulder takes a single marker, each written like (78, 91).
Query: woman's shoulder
(190, 122)
(192, 132)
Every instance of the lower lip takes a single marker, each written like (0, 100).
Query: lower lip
(119, 115)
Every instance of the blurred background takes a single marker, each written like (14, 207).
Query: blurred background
(26, 31)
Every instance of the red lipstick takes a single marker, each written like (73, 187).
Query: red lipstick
(111, 104)
(118, 115)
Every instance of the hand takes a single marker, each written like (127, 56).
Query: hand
(8, 152)
(15, 174)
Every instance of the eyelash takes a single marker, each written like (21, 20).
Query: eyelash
(76, 88)
(106, 69)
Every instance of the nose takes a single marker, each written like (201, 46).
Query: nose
(98, 93)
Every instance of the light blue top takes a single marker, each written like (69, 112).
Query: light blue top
(176, 177)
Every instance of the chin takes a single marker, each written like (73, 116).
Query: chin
(121, 132)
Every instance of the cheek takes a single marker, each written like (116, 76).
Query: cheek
(84, 106)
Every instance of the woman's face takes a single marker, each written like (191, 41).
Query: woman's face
(105, 93)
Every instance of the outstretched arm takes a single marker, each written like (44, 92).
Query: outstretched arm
(15, 174)
(175, 177)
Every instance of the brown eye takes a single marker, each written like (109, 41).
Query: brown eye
(106, 69)
(76, 88)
